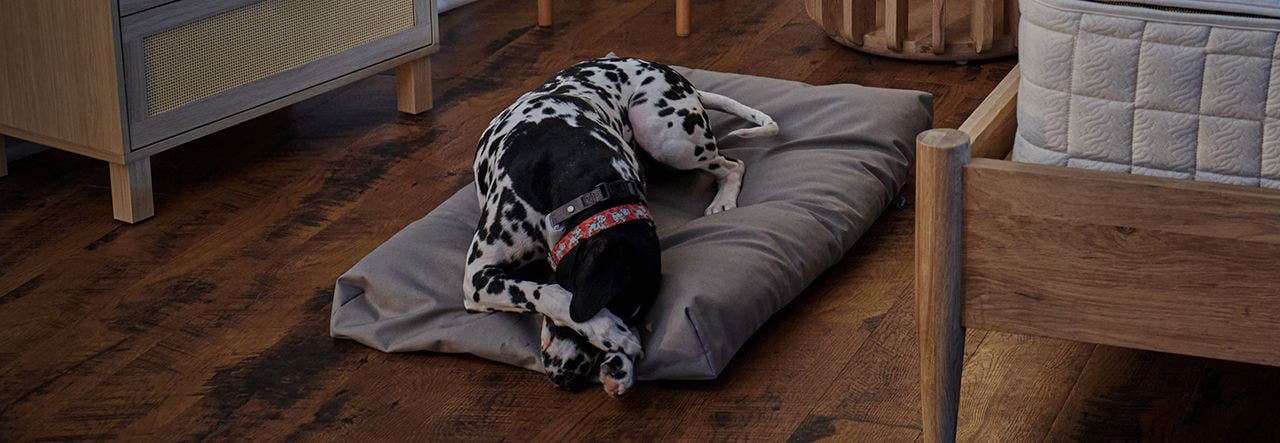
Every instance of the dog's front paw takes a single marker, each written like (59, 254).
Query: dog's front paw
(607, 332)
(570, 362)
(617, 374)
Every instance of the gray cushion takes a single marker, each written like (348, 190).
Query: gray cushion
(808, 194)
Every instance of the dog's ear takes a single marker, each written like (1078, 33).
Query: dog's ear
(599, 275)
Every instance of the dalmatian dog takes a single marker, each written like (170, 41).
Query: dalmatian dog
(560, 184)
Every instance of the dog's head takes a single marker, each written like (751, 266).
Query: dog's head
(620, 268)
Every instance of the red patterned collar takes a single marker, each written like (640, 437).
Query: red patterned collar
(596, 224)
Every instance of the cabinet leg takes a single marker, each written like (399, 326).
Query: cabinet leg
(682, 18)
(4, 159)
(413, 86)
(131, 190)
(544, 13)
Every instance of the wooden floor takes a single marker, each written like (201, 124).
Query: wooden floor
(210, 321)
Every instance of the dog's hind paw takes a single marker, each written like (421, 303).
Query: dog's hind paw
(718, 207)
(617, 374)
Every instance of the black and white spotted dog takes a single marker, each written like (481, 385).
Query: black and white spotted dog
(558, 180)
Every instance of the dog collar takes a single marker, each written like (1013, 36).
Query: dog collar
(595, 224)
(602, 192)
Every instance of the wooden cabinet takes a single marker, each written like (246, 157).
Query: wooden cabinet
(120, 80)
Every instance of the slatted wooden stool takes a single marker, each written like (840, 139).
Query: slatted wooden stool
(921, 29)
(682, 16)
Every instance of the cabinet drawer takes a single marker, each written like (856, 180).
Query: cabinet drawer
(193, 62)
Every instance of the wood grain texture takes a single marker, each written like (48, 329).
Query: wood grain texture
(544, 12)
(1012, 20)
(993, 124)
(941, 155)
(1125, 399)
(852, 25)
(210, 319)
(1124, 260)
(683, 17)
(59, 76)
(413, 86)
(982, 24)
(1008, 374)
(938, 26)
(905, 29)
(131, 200)
(895, 23)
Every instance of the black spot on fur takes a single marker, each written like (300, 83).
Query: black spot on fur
(691, 123)
(494, 287)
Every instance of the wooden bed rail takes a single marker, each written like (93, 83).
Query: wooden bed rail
(1139, 262)
(992, 125)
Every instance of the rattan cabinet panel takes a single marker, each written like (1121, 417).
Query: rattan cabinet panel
(195, 61)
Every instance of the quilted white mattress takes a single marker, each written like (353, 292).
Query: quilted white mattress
(1175, 88)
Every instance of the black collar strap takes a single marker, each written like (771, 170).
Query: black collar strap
(602, 192)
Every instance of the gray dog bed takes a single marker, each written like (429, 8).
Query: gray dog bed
(808, 194)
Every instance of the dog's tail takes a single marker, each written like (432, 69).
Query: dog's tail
(766, 126)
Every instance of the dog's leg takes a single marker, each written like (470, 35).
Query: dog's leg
(569, 360)
(488, 287)
(672, 145)
(677, 132)
(728, 174)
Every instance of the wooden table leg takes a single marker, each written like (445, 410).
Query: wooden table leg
(413, 86)
(544, 13)
(941, 155)
(131, 190)
(682, 18)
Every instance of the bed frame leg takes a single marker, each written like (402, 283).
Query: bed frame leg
(941, 155)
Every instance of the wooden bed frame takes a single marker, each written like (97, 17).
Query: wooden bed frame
(1116, 259)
